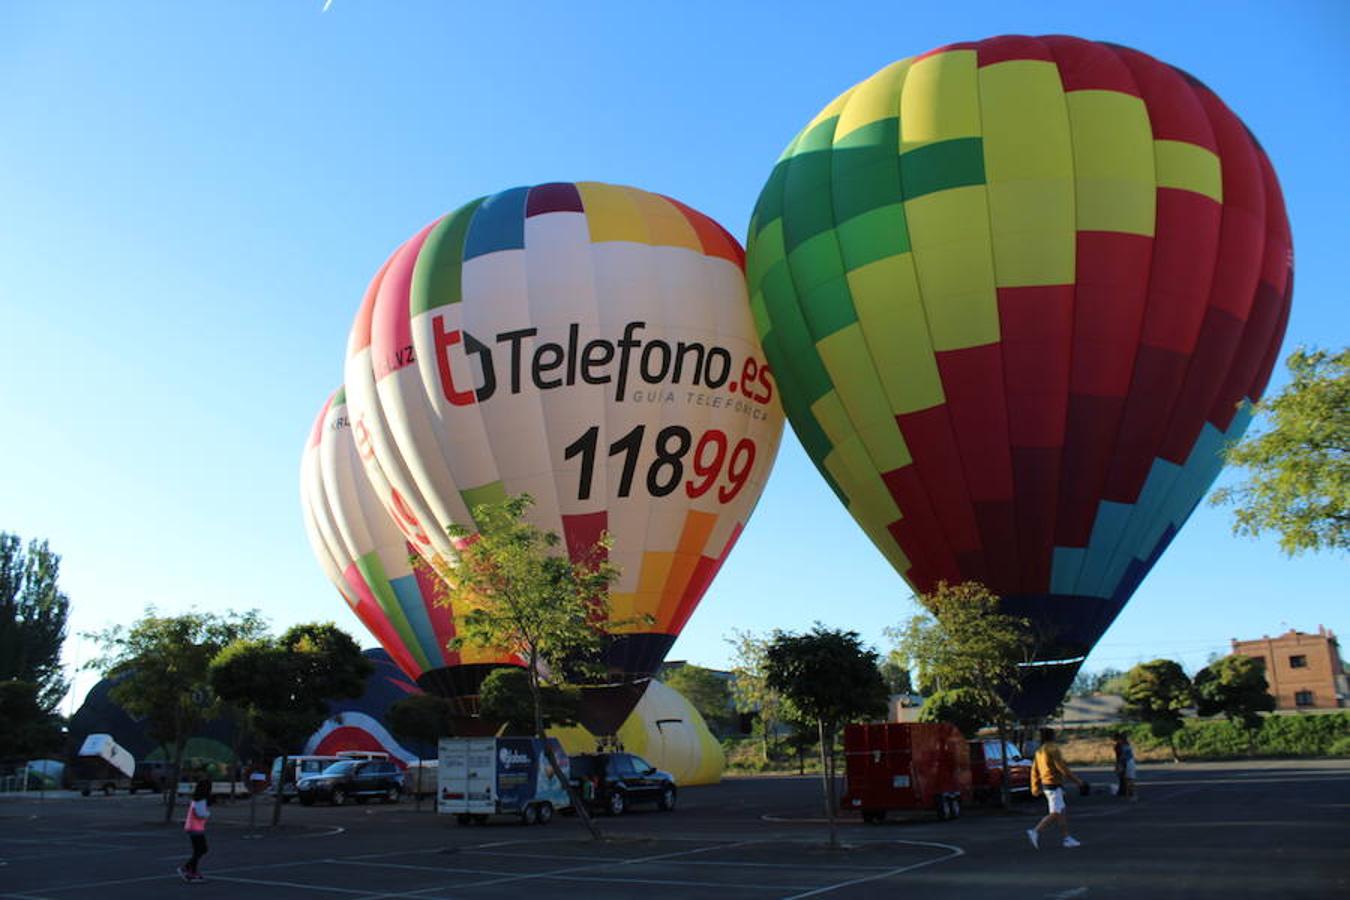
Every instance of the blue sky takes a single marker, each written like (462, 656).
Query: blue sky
(193, 197)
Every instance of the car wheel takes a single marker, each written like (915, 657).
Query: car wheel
(545, 813)
(391, 795)
(339, 796)
(529, 815)
(666, 802)
(617, 803)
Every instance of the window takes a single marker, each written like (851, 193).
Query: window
(1298, 662)
(1303, 698)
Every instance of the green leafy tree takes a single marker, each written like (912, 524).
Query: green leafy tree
(963, 643)
(750, 689)
(1156, 693)
(707, 691)
(526, 596)
(33, 614)
(506, 697)
(1299, 465)
(27, 730)
(965, 708)
(1235, 687)
(161, 668)
(1085, 684)
(896, 674)
(829, 677)
(284, 685)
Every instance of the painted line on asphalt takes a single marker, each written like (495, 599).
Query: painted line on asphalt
(286, 884)
(955, 852)
(630, 862)
(703, 862)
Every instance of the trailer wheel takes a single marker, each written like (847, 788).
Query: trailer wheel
(944, 809)
(463, 818)
(545, 813)
(107, 790)
(956, 807)
(529, 815)
(480, 819)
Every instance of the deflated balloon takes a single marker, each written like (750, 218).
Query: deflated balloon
(590, 345)
(1018, 294)
(369, 560)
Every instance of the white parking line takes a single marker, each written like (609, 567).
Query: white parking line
(955, 852)
(286, 884)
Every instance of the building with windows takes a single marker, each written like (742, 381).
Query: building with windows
(1304, 671)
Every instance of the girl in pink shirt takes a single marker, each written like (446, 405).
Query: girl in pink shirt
(195, 826)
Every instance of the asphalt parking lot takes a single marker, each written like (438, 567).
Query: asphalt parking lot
(1263, 829)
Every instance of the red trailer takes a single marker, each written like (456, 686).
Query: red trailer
(894, 765)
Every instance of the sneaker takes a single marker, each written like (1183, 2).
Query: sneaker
(183, 874)
(1070, 842)
(1035, 838)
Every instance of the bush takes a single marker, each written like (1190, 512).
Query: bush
(1340, 747)
(1311, 735)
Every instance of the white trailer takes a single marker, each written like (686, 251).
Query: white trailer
(480, 777)
(103, 765)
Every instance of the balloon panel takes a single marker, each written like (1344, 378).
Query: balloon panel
(1018, 293)
(590, 345)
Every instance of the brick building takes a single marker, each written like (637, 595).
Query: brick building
(1304, 670)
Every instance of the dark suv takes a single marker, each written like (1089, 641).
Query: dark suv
(611, 781)
(357, 779)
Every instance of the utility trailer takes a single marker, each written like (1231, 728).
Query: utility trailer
(103, 765)
(479, 777)
(905, 766)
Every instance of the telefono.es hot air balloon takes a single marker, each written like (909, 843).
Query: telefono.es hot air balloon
(592, 346)
(1018, 294)
(368, 559)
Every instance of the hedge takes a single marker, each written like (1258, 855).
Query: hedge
(1311, 735)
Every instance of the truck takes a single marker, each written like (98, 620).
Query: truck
(478, 777)
(103, 765)
(909, 766)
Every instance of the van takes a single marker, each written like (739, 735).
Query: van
(297, 767)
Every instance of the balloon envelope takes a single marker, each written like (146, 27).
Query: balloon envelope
(368, 559)
(1018, 295)
(590, 345)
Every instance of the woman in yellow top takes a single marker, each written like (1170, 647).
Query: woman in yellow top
(1048, 774)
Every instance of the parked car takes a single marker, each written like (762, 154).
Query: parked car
(905, 766)
(357, 779)
(613, 781)
(986, 770)
(152, 775)
(297, 767)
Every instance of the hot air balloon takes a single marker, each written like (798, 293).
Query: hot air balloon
(368, 559)
(1018, 294)
(589, 345)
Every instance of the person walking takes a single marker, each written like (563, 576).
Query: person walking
(1048, 774)
(1125, 766)
(195, 825)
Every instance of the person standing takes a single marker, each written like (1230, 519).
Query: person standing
(199, 811)
(1049, 772)
(1125, 766)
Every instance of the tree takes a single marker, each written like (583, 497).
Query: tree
(829, 677)
(525, 595)
(284, 685)
(1085, 684)
(28, 731)
(161, 664)
(965, 644)
(750, 690)
(705, 690)
(1235, 687)
(33, 614)
(896, 675)
(1299, 481)
(1155, 693)
(506, 697)
(965, 708)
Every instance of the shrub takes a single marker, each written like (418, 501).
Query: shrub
(1340, 747)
